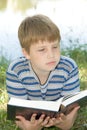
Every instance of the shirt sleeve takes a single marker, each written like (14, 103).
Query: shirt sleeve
(14, 86)
(72, 83)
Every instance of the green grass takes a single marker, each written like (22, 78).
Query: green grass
(80, 56)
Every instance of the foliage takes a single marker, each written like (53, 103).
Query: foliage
(3, 4)
(22, 5)
(17, 5)
(78, 53)
(3, 66)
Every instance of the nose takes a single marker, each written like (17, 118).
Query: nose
(50, 53)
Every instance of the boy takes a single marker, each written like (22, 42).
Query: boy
(42, 74)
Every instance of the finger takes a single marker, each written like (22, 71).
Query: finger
(33, 118)
(57, 121)
(51, 122)
(46, 120)
(41, 119)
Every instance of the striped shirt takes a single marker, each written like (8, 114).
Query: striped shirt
(23, 83)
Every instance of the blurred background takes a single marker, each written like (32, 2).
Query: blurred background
(69, 15)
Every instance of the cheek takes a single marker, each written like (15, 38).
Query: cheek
(36, 58)
(57, 54)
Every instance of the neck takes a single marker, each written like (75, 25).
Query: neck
(42, 77)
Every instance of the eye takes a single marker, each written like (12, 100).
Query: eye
(55, 47)
(41, 49)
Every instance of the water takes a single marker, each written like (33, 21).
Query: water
(9, 43)
(71, 20)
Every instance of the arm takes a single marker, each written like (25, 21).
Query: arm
(14, 85)
(72, 83)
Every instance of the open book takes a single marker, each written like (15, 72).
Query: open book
(26, 108)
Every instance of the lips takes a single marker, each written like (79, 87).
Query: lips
(51, 63)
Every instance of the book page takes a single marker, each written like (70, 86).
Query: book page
(75, 98)
(44, 105)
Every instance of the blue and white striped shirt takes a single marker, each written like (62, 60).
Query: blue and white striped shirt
(22, 82)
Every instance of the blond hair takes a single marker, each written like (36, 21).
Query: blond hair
(37, 28)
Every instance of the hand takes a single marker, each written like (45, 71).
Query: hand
(33, 124)
(65, 122)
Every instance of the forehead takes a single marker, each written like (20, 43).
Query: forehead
(45, 43)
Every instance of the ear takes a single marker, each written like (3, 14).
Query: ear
(26, 54)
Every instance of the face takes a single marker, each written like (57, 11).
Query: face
(44, 56)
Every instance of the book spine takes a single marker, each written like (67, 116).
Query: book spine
(11, 112)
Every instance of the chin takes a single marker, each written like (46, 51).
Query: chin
(51, 69)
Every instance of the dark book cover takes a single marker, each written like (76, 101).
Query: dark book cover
(13, 111)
